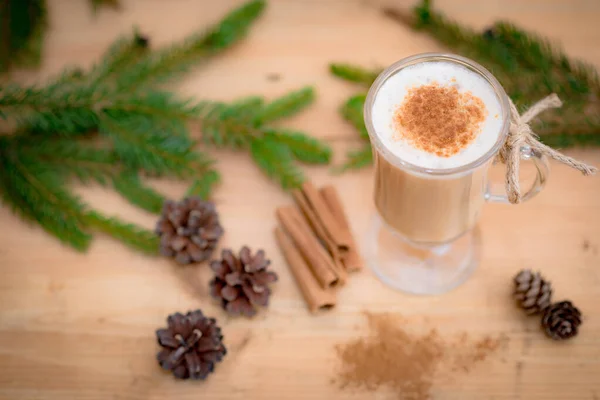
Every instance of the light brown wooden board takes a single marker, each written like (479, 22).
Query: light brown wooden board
(82, 325)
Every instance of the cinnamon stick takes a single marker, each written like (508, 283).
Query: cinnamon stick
(319, 230)
(315, 255)
(351, 259)
(340, 236)
(315, 296)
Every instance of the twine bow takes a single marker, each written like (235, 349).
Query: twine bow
(519, 135)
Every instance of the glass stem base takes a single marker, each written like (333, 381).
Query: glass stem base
(420, 269)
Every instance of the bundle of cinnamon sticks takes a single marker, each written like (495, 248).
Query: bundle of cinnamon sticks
(315, 238)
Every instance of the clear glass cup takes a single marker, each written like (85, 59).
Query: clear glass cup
(422, 238)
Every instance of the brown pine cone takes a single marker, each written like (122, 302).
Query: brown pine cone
(241, 283)
(532, 292)
(561, 320)
(189, 230)
(191, 345)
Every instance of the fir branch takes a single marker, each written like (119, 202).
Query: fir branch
(52, 109)
(128, 184)
(38, 194)
(136, 237)
(358, 159)
(170, 62)
(277, 161)
(140, 145)
(542, 56)
(69, 76)
(68, 158)
(352, 111)
(462, 40)
(285, 106)
(119, 123)
(159, 105)
(354, 73)
(123, 53)
(304, 148)
(230, 124)
(203, 186)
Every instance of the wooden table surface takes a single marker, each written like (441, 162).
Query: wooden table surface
(75, 326)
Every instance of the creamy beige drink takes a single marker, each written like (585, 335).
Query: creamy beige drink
(433, 121)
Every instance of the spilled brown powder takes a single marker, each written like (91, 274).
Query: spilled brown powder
(405, 362)
(439, 119)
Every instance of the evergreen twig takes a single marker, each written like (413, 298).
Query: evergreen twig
(277, 161)
(285, 106)
(168, 63)
(128, 184)
(354, 73)
(539, 54)
(304, 148)
(357, 159)
(138, 238)
(352, 111)
(202, 187)
(114, 122)
(37, 193)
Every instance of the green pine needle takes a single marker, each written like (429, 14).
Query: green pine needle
(461, 39)
(38, 194)
(136, 237)
(204, 185)
(277, 161)
(96, 4)
(71, 158)
(540, 55)
(304, 148)
(170, 62)
(358, 159)
(123, 53)
(140, 145)
(352, 111)
(285, 106)
(354, 73)
(128, 184)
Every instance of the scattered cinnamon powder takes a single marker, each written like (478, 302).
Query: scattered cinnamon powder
(404, 362)
(439, 119)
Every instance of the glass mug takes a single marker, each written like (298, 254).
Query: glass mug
(422, 237)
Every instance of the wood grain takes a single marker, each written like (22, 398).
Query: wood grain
(76, 326)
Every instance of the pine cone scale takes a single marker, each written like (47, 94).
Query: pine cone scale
(263, 278)
(166, 339)
(229, 293)
(233, 278)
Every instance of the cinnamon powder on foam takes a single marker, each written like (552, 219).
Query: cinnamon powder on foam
(439, 119)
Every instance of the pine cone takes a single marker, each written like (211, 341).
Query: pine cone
(192, 345)
(532, 292)
(189, 230)
(561, 320)
(241, 283)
